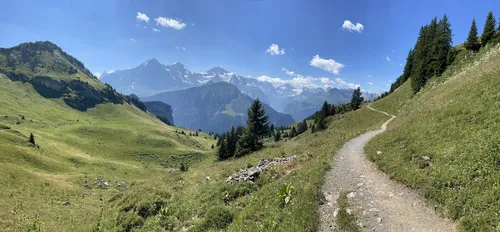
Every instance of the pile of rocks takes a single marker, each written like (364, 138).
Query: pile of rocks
(252, 173)
(101, 183)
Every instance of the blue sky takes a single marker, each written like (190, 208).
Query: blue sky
(108, 35)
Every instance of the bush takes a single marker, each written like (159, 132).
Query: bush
(183, 167)
(218, 217)
(32, 139)
(285, 194)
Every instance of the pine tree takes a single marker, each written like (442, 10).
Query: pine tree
(472, 40)
(293, 133)
(356, 99)
(32, 139)
(325, 109)
(257, 127)
(222, 152)
(277, 136)
(321, 124)
(196, 133)
(489, 29)
(313, 129)
(213, 146)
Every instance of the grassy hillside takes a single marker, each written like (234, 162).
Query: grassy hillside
(139, 157)
(445, 140)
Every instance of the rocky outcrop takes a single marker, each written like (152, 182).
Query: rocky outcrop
(250, 174)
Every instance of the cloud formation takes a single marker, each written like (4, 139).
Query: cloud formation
(349, 26)
(346, 84)
(156, 30)
(288, 72)
(370, 83)
(133, 40)
(98, 75)
(274, 49)
(168, 22)
(142, 17)
(181, 48)
(388, 58)
(326, 64)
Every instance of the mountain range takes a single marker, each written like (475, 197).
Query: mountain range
(152, 77)
(214, 107)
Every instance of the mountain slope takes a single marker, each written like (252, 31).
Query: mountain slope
(213, 107)
(161, 109)
(444, 140)
(55, 74)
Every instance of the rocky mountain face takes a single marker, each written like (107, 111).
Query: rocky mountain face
(215, 107)
(161, 109)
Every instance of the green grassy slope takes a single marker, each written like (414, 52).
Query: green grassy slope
(116, 142)
(120, 143)
(445, 141)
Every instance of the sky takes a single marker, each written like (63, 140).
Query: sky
(311, 43)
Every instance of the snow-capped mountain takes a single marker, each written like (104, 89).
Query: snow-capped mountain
(152, 77)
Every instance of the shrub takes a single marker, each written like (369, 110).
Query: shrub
(218, 217)
(183, 167)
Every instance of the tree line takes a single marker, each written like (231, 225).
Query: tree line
(433, 51)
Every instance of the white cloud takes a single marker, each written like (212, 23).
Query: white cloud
(288, 72)
(133, 40)
(348, 25)
(388, 58)
(168, 22)
(328, 65)
(156, 30)
(370, 83)
(274, 49)
(370, 75)
(180, 48)
(343, 83)
(142, 17)
(400, 64)
(98, 74)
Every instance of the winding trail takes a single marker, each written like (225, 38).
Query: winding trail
(379, 203)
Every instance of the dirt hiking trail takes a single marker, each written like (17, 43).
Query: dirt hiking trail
(379, 204)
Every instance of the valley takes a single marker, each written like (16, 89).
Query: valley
(163, 148)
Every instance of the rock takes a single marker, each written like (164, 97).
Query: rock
(426, 158)
(351, 195)
(335, 212)
(379, 152)
(252, 173)
(67, 203)
(374, 228)
(349, 211)
(87, 186)
(379, 220)
(207, 178)
(373, 210)
(122, 186)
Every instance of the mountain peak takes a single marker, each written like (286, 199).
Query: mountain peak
(152, 61)
(217, 70)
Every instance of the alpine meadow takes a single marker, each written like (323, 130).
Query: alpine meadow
(310, 116)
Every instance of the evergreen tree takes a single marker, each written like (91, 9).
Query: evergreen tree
(321, 124)
(212, 146)
(257, 127)
(356, 99)
(32, 139)
(443, 41)
(293, 133)
(271, 130)
(489, 29)
(196, 134)
(325, 109)
(472, 40)
(313, 129)
(277, 136)
(222, 152)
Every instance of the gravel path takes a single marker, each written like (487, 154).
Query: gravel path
(378, 203)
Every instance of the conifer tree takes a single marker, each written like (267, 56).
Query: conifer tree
(293, 133)
(32, 139)
(321, 124)
(277, 136)
(313, 129)
(356, 99)
(257, 127)
(472, 40)
(325, 109)
(489, 29)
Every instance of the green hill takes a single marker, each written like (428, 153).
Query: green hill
(115, 167)
(445, 141)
